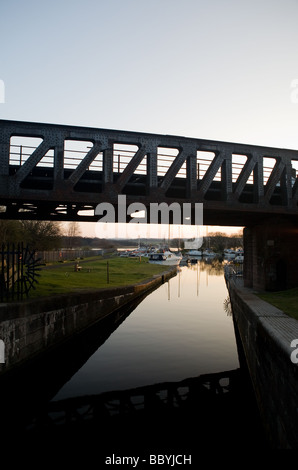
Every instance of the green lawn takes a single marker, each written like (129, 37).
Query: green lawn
(62, 278)
(287, 301)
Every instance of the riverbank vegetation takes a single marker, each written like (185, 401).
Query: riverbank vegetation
(44, 235)
(93, 273)
(37, 234)
(286, 301)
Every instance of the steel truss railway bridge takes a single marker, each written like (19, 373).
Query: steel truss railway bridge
(60, 172)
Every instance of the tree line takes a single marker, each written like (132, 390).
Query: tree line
(38, 234)
(219, 241)
(44, 235)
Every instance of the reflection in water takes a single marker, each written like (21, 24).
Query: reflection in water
(181, 334)
(174, 333)
(195, 413)
(44, 376)
(227, 306)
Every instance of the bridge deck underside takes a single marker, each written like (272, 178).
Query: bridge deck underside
(40, 200)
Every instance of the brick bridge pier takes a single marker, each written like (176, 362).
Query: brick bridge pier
(271, 254)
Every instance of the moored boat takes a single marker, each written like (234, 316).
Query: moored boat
(167, 258)
(194, 253)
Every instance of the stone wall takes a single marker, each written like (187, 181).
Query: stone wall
(266, 334)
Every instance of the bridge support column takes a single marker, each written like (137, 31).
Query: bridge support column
(248, 259)
(271, 255)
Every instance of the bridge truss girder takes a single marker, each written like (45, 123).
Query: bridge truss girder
(52, 182)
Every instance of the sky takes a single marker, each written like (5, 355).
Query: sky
(219, 69)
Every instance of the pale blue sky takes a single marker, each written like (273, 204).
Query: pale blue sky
(211, 69)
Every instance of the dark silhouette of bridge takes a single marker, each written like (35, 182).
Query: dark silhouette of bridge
(59, 172)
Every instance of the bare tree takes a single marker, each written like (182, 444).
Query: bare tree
(72, 233)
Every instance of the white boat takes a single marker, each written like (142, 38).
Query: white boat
(194, 253)
(167, 258)
(229, 254)
(209, 253)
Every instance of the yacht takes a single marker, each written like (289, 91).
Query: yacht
(167, 258)
(194, 253)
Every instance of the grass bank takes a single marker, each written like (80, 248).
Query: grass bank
(95, 273)
(287, 301)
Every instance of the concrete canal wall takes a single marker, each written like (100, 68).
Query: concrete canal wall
(30, 328)
(266, 334)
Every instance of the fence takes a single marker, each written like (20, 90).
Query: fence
(65, 255)
(18, 271)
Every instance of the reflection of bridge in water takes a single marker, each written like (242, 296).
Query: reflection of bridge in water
(149, 399)
(204, 410)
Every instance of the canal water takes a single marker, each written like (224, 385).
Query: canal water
(164, 376)
(182, 329)
(181, 333)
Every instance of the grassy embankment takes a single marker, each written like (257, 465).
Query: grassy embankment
(287, 301)
(61, 278)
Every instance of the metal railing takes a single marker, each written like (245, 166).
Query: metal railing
(122, 155)
(18, 271)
